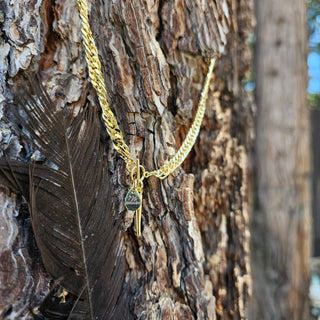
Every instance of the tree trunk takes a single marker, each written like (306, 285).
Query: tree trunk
(192, 261)
(281, 224)
(315, 143)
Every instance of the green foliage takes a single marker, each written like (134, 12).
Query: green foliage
(314, 24)
(313, 17)
(314, 100)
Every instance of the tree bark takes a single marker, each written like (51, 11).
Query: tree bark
(315, 143)
(192, 261)
(281, 224)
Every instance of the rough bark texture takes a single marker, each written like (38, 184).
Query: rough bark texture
(281, 230)
(192, 261)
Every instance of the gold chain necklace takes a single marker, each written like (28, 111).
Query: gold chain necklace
(133, 199)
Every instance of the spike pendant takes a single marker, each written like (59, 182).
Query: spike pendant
(133, 199)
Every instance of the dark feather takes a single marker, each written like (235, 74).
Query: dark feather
(71, 206)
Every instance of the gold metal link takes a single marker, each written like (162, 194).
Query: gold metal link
(97, 81)
(109, 119)
(192, 134)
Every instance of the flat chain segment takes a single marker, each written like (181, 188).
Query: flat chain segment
(108, 117)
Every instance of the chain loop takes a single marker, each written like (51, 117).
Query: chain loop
(109, 119)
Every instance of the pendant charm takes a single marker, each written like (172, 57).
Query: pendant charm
(132, 200)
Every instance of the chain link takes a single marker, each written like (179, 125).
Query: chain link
(97, 81)
(108, 117)
(192, 134)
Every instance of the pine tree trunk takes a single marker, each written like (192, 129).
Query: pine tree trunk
(281, 224)
(192, 261)
(315, 146)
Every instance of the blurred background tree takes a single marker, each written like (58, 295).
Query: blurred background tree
(281, 220)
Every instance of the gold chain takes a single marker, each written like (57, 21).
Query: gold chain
(112, 126)
(192, 134)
